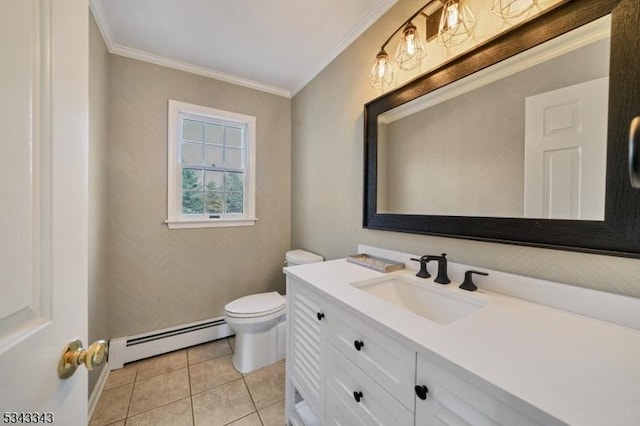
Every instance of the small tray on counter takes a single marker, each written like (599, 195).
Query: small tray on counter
(379, 264)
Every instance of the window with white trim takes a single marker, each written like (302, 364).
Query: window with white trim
(211, 168)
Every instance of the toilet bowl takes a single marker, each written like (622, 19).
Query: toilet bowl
(258, 321)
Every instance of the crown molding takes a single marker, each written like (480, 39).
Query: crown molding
(117, 49)
(364, 23)
(196, 69)
(103, 25)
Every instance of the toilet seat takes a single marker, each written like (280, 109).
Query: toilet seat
(256, 305)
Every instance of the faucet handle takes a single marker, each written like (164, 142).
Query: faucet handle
(468, 283)
(423, 273)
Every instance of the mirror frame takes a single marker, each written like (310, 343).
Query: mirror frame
(619, 233)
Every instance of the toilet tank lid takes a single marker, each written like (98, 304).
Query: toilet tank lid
(300, 257)
(256, 303)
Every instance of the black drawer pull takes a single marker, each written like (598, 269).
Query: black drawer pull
(422, 391)
(359, 344)
(357, 395)
(320, 315)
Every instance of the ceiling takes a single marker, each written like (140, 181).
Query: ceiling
(276, 46)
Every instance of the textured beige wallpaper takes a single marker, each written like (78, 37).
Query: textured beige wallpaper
(98, 203)
(159, 278)
(327, 182)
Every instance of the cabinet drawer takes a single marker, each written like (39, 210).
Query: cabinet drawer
(375, 406)
(390, 364)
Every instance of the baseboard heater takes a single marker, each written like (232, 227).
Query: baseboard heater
(132, 348)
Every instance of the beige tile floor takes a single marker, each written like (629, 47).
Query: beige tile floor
(193, 386)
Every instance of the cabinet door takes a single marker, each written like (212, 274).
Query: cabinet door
(451, 400)
(305, 346)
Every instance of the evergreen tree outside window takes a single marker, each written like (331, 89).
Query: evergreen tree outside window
(211, 167)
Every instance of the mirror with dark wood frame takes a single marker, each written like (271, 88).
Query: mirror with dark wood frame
(617, 232)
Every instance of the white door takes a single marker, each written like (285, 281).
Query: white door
(566, 152)
(43, 212)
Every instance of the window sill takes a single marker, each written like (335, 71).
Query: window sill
(211, 223)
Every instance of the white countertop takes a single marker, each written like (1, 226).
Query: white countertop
(580, 370)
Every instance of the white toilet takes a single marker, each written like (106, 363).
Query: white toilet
(259, 322)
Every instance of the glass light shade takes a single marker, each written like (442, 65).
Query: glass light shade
(508, 9)
(382, 74)
(457, 23)
(410, 50)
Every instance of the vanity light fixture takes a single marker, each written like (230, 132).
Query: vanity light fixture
(411, 50)
(409, 54)
(508, 9)
(457, 23)
(382, 74)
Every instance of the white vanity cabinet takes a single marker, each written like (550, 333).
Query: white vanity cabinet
(347, 371)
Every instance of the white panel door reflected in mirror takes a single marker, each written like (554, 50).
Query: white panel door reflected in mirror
(566, 152)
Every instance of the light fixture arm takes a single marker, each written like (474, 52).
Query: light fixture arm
(406, 22)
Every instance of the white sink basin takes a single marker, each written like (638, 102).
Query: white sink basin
(436, 304)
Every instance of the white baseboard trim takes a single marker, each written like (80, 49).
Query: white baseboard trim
(97, 389)
(132, 348)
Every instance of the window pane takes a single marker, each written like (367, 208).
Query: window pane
(233, 136)
(192, 202)
(213, 155)
(192, 130)
(233, 158)
(213, 181)
(234, 182)
(214, 203)
(234, 202)
(213, 133)
(191, 179)
(192, 153)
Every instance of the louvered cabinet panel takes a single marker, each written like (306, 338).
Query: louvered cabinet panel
(305, 360)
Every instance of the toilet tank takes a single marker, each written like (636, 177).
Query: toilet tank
(301, 257)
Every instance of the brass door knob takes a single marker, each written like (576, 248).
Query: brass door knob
(74, 356)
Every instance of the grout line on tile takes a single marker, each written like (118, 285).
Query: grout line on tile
(244, 417)
(260, 418)
(209, 359)
(193, 414)
(166, 403)
(158, 407)
(189, 377)
(250, 396)
(135, 380)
